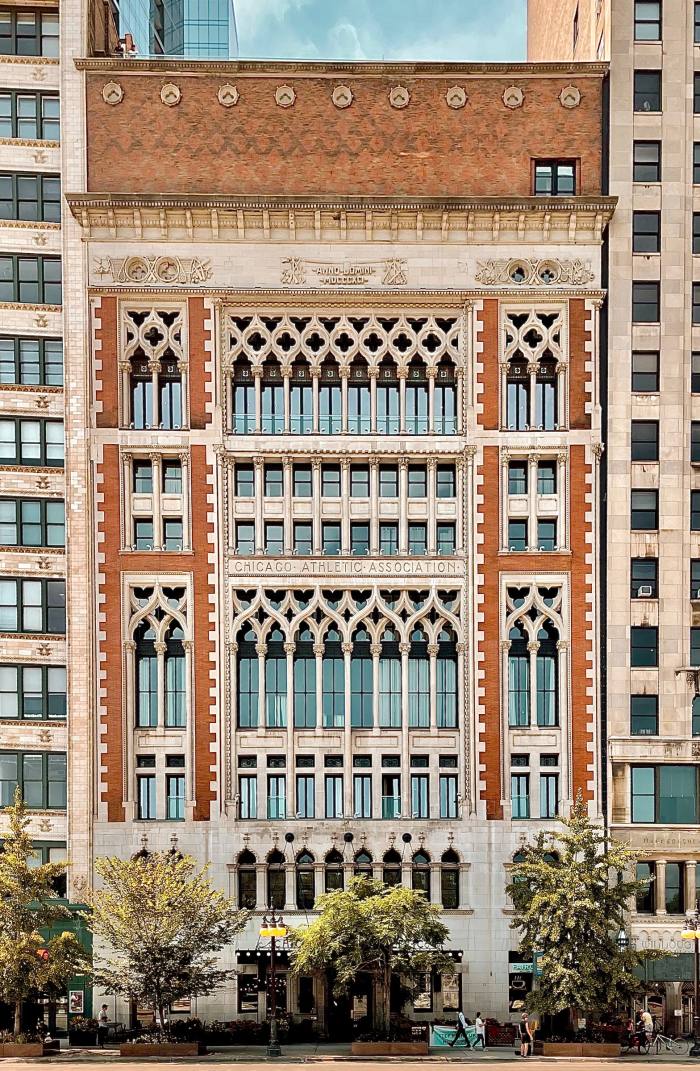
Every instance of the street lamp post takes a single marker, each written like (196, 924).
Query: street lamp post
(273, 927)
(692, 933)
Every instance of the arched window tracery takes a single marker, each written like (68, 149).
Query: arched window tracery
(391, 870)
(449, 879)
(334, 873)
(276, 880)
(305, 881)
(418, 681)
(155, 363)
(534, 639)
(247, 880)
(158, 639)
(420, 873)
(333, 681)
(535, 369)
(363, 864)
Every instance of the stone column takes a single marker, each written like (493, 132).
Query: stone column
(345, 506)
(318, 653)
(373, 374)
(154, 369)
(690, 888)
(402, 374)
(505, 462)
(433, 649)
(316, 505)
(160, 648)
(259, 494)
(286, 373)
(431, 373)
(257, 375)
(315, 374)
(375, 649)
(155, 460)
(532, 370)
(432, 508)
(185, 467)
(287, 490)
(562, 500)
(403, 505)
(532, 542)
(344, 373)
(373, 505)
(660, 888)
(404, 649)
(261, 651)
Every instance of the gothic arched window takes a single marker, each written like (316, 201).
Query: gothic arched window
(391, 871)
(518, 394)
(141, 389)
(333, 682)
(547, 683)
(275, 681)
(446, 680)
(243, 393)
(363, 864)
(445, 400)
(247, 885)
(361, 681)
(518, 678)
(175, 705)
(276, 880)
(334, 875)
(359, 405)
(248, 680)
(418, 682)
(305, 881)
(546, 394)
(330, 400)
(449, 879)
(390, 682)
(146, 677)
(272, 399)
(304, 681)
(420, 873)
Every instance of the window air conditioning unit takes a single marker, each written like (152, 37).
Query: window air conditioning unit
(644, 591)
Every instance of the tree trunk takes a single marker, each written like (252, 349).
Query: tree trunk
(383, 1010)
(18, 1016)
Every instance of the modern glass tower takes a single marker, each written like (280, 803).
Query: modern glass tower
(197, 29)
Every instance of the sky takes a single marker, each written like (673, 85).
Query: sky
(452, 30)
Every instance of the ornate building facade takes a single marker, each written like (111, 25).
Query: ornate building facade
(341, 393)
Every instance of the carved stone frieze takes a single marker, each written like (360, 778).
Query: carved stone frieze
(228, 96)
(529, 273)
(154, 271)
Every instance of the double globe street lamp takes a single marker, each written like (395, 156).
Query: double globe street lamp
(273, 927)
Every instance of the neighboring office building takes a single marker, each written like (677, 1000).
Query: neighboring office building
(343, 451)
(194, 29)
(652, 441)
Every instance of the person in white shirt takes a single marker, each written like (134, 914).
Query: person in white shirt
(480, 1031)
(461, 1031)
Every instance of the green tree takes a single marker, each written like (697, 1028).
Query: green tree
(376, 929)
(29, 961)
(571, 895)
(161, 927)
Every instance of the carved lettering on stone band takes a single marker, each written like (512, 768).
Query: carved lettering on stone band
(297, 271)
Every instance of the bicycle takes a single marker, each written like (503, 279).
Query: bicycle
(678, 1046)
(635, 1043)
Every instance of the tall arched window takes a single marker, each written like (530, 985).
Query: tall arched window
(363, 864)
(247, 885)
(518, 394)
(420, 873)
(391, 870)
(449, 880)
(243, 392)
(445, 400)
(418, 682)
(446, 680)
(518, 678)
(272, 399)
(330, 400)
(388, 399)
(359, 405)
(301, 400)
(276, 895)
(275, 681)
(334, 877)
(175, 705)
(361, 681)
(390, 682)
(305, 681)
(305, 881)
(546, 394)
(248, 680)
(141, 387)
(146, 677)
(547, 676)
(333, 682)
(170, 393)
(417, 399)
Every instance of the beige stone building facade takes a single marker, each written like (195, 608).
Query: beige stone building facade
(652, 427)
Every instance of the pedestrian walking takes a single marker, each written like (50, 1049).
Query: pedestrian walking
(480, 1031)
(102, 1026)
(648, 1024)
(461, 1031)
(525, 1035)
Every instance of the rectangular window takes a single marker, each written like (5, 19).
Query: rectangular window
(277, 796)
(644, 508)
(175, 797)
(146, 810)
(647, 20)
(445, 538)
(274, 481)
(330, 534)
(647, 91)
(644, 715)
(517, 535)
(142, 477)
(695, 578)
(417, 539)
(647, 161)
(31, 279)
(517, 477)
(32, 361)
(419, 795)
(303, 483)
(171, 476)
(40, 777)
(28, 33)
(334, 795)
(362, 795)
(388, 539)
(695, 511)
(549, 795)
(696, 303)
(32, 606)
(547, 534)
(644, 578)
(32, 692)
(32, 522)
(330, 481)
(245, 537)
(645, 440)
(391, 795)
(306, 796)
(388, 481)
(695, 441)
(446, 483)
(646, 232)
(33, 116)
(245, 481)
(448, 796)
(520, 795)
(172, 533)
(30, 197)
(644, 646)
(696, 94)
(555, 178)
(359, 539)
(31, 442)
(695, 373)
(695, 647)
(695, 716)
(143, 533)
(696, 18)
(248, 792)
(274, 537)
(546, 478)
(646, 302)
(664, 794)
(303, 537)
(645, 371)
(417, 481)
(696, 233)
(359, 481)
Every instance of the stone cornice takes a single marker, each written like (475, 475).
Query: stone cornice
(417, 299)
(577, 220)
(316, 69)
